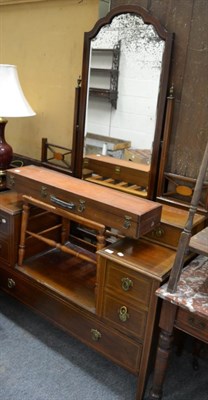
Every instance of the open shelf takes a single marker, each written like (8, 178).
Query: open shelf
(104, 70)
(67, 275)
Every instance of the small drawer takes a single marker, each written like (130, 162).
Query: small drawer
(192, 324)
(131, 285)
(165, 234)
(4, 251)
(125, 317)
(4, 223)
(173, 221)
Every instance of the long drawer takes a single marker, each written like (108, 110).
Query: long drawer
(81, 324)
(131, 215)
(192, 324)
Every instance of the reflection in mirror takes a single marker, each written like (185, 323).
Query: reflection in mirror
(126, 63)
(125, 68)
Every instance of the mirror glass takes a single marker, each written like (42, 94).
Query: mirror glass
(124, 78)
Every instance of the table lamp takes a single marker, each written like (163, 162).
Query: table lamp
(12, 104)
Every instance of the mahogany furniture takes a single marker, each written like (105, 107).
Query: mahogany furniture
(104, 296)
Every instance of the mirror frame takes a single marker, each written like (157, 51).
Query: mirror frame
(162, 96)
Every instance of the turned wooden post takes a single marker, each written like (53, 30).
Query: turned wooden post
(25, 216)
(164, 348)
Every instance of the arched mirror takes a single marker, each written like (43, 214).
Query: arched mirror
(126, 63)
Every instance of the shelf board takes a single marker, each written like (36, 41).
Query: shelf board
(106, 50)
(106, 93)
(109, 70)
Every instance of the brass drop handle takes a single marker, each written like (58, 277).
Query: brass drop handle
(126, 284)
(158, 232)
(123, 314)
(127, 222)
(11, 180)
(81, 206)
(95, 334)
(11, 283)
(43, 191)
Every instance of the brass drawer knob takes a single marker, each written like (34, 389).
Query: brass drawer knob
(117, 169)
(11, 283)
(3, 220)
(126, 284)
(123, 314)
(95, 334)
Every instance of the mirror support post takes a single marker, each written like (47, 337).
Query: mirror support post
(76, 142)
(165, 141)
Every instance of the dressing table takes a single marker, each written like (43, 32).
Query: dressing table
(103, 295)
(99, 287)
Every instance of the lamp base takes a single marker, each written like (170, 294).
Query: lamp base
(6, 152)
(2, 180)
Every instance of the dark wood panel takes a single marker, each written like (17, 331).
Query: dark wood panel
(141, 3)
(192, 128)
(188, 20)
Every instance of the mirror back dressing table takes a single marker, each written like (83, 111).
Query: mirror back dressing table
(100, 287)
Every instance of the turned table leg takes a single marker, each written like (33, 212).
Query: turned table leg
(25, 216)
(164, 348)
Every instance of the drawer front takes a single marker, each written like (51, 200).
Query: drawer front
(4, 251)
(192, 324)
(165, 234)
(127, 283)
(124, 316)
(83, 325)
(4, 223)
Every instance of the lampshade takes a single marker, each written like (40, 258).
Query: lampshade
(12, 104)
(12, 100)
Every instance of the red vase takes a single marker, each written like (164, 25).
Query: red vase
(6, 152)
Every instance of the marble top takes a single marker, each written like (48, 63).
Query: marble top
(192, 288)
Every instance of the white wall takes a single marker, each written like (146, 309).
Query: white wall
(138, 85)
